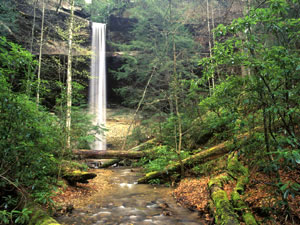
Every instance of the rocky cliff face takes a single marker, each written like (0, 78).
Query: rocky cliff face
(55, 32)
(118, 27)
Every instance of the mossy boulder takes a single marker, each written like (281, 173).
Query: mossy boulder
(40, 216)
(78, 176)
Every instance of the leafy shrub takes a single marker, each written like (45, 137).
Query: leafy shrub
(30, 137)
(161, 157)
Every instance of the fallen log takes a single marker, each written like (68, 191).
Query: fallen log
(241, 174)
(224, 213)
(95, 154)
(200, 157)
(203, 156)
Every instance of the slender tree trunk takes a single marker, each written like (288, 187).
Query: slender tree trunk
(176, 89)
(69, 77)
(58, 6)
(214, 36)
(138, 108)
(33, 25)
(209, 41)
(40, 56)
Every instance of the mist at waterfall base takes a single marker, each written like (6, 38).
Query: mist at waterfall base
(97, 83)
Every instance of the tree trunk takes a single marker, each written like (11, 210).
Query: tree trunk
(201, 157)
(69, 77)
(95, 154)
(175, 93)
(204, 156)
(58, 6)
(209, 41)
(40, 56)
(224, 210)
(33, 25)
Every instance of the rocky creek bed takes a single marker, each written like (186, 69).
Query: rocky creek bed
(116, 198)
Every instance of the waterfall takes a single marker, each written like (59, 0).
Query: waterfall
(97, 85)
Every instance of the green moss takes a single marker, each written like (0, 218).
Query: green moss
(218, 181)
(240, 172)
(235, 196)
(78, 172)
(249, 219)
(210, 167)
(242, 208)
(241, 183)
(40, 217)
(224, 211)
(148, 177)
(235, 168)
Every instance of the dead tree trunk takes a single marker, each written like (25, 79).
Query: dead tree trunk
(96, 154)
(40, 56)
(69, 77)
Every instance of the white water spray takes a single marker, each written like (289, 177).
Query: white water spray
(97, 86)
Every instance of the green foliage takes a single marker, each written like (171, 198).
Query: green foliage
(30, 137)
(15, 216)
(161, 157)
(263, 47)
(155, 181)
(266, 39)
(158, 32)
(210, 167)
(18, 65)
(100, 10)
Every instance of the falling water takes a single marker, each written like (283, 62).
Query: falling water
(97, 86)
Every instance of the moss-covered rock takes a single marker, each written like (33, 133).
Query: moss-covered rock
(110, 163)
(39, 216)
(78, 176)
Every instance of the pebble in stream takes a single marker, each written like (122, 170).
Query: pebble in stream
(132, 203)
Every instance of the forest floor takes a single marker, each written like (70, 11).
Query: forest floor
(260, 196)
(81, 195)
(118, 122)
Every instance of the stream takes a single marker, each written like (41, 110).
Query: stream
(131, 203)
